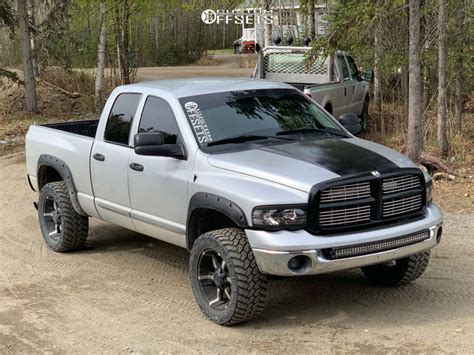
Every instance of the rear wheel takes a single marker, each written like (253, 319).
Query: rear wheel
(398, 272)
(225, 279)
(62, 227)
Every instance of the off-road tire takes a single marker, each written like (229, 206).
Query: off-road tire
(73, 234)
(402, 272)
(248, 286)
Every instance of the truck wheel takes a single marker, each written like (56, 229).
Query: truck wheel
(62, 227)
(399, 272)
(364, 117)
(225, 278)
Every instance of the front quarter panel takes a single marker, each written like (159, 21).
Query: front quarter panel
(245, 191)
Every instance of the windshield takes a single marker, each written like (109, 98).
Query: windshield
(266, 112)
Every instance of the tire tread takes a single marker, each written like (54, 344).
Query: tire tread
(252, 285)
(75, 226)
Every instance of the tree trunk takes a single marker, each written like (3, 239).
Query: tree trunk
(442, 134)
(311, 20)
(267, 27)
(34, 54)
(294, 21)
(26, 57)
(100, 58)
(415, 137)
(404, 87)
(459, 84)
(377, 77)
(122, 15)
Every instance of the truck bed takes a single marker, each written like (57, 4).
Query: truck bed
(70, 142)
(303, 86)
(86, 128)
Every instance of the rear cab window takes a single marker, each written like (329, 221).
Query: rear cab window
(119, 122)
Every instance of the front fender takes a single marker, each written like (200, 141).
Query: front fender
(244, 191)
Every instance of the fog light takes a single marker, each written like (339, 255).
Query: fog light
(299, 264)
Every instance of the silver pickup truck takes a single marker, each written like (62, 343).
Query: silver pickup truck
(334, 81)
(251, 176)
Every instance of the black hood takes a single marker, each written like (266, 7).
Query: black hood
(339, 156)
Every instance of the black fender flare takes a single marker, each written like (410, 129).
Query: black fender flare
(217, 203)
(61, 167)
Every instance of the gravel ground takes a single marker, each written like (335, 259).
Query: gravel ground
(130, 293)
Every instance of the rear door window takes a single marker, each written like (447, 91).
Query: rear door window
(120, 119)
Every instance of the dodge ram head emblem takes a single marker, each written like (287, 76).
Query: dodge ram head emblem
(375, 173)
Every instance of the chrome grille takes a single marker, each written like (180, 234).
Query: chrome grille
(345, 215)
(402, 205)
(396, 184)
(356, 190)
(375, 247)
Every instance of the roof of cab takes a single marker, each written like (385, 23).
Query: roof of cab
(197, 86)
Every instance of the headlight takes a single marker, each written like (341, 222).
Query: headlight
(429, 192)
(279, 217)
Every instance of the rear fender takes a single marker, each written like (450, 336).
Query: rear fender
(47, 160)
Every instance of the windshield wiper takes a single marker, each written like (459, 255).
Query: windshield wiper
(245, 138)
(311, 130)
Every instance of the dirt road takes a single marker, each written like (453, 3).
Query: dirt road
(218, 65)
(130, 293)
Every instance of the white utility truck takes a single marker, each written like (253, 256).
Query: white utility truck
(334, 81)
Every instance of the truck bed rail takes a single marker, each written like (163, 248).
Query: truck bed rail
(86, 128)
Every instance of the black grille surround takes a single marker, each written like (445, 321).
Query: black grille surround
(386, 205)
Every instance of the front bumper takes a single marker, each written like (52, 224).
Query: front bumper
(274, 250)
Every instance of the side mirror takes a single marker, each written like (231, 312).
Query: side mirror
(351, 122)
(153, 143)
(368, 75)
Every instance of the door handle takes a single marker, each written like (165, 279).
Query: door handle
(99, 157)
(345, 91)
(137, 167)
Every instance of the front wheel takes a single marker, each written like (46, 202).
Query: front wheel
(398, 272)
(225, 278)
